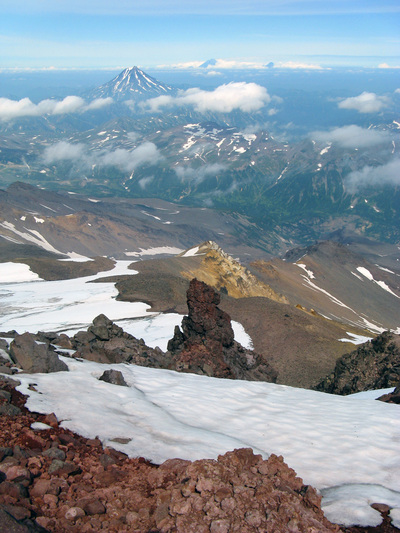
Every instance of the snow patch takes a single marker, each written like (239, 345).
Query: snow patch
(309, 273)
(191, 252)
(365, 272)
(347, 447)
(16, 273)
(356, 339)
(325, 150)
(170, 250)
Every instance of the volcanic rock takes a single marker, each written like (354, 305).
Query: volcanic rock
(206, 343)
(105, 342)
(33, 357)
(373, 365)
(115, 377)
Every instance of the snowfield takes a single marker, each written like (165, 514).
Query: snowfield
(347, 447)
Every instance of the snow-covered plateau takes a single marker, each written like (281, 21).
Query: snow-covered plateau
(347, 447)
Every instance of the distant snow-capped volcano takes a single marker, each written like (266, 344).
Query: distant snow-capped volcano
(131, 83)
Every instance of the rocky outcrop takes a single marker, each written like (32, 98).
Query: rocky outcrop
(32, 356)
(105, 342)
(54, 480)
(206, 344)
(224, 273)
(374, 365)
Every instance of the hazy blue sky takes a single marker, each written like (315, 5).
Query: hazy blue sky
(104, 34)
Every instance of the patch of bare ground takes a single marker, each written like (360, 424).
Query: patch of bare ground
(53, 269)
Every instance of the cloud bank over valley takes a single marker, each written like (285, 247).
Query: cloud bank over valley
(352, 136)
(387, 174)
(12, 109)
(247, 97)
(127, 160)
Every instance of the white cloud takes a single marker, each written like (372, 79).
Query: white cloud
(388, 174)
(218, 64)
(155, 104)
(197, 175)
(234, 64)
(128, 160)
(352, 136)
(11, 109)
(70, 104)
(145, 181)
(133, 136)
(239, 95)
(365, 103)
(385, 65)
(99, 103)
(183, 66)
(299, 65)
(63, 151)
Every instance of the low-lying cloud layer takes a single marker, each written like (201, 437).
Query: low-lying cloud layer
(352, 137)
(197, 175)
(231, 64)
(247, 97)
(11, 109)
(387, 174)
(365, 103)
(127, 160)
(298, 65)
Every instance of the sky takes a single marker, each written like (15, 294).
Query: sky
(101, 34)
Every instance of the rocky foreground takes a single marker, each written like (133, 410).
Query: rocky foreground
(52, 480)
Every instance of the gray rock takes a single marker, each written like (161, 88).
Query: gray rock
(104, 329)
(5, 395)
(105, 342)
(55, 453)
(56, 465)
(33, 357)
(9, 410)
(114, 377)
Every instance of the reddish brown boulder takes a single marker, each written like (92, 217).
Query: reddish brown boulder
(206, 343)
